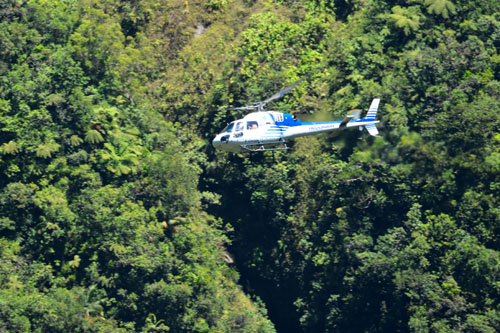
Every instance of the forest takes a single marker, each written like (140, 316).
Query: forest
(117, 214)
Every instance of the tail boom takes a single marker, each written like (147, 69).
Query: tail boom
(351, 120)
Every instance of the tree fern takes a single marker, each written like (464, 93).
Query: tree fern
(93, 136)
(440, 7)
(404, 19)
(120, 160)
(10, 148)
(45, 150)
(75, 140)
(55, 99)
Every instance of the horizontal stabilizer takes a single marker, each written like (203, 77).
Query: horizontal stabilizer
(372, 129)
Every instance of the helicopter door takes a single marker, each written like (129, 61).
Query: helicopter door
(252, 132)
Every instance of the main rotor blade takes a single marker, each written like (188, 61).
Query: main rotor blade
(248, 107)
(282, 92)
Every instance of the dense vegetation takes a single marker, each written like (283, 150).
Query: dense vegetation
(102, 224)
(116, 214)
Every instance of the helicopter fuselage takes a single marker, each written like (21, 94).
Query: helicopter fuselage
(269, 130)
(259, 130)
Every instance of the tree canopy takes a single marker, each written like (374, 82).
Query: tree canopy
(116, 214)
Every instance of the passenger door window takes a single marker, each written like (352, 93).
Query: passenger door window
(251, 125)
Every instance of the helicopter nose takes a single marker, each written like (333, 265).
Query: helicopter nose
(216, 142)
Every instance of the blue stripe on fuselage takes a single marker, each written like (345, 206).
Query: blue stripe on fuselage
(322, 122)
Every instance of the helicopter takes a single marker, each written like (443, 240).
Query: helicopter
(270, 130)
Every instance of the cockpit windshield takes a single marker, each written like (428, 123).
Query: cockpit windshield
(228, 128)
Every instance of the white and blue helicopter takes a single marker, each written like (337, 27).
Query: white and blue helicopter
(269, 130)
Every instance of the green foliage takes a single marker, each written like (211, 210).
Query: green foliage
(440, 7)
(120, 161)
(93, 136)
(117, 215)
(405, 18)
(75, 140)
(10, 148)
(92, 172)
(45, 150)
(359, 235)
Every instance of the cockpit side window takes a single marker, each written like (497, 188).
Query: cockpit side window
(228, 129)
(251, 125)
(239, 126)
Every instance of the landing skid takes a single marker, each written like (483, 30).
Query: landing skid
(265, 147)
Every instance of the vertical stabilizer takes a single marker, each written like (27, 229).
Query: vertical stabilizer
(370, 116)
(372, 111)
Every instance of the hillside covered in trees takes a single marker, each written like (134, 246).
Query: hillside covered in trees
(117, 215)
